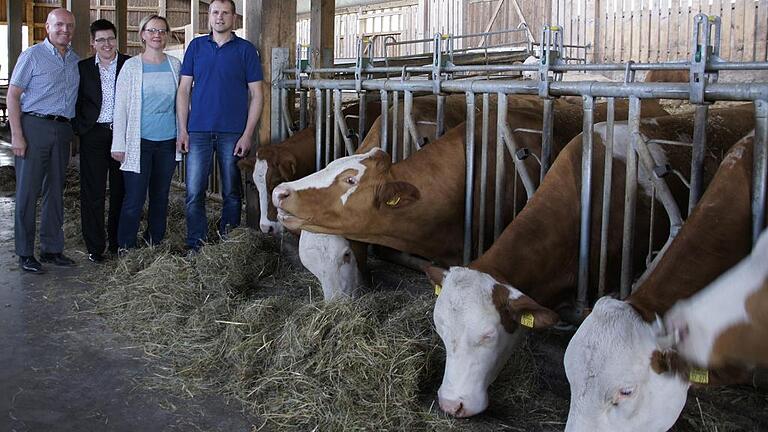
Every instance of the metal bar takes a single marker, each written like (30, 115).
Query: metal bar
(760, 168)
(328, 125)
(470, 177)
(318, 129)
(361, 131)
(483, 174)
(395, 97)
(303, 105)
(440, 117)
(697, 155)
(337, 125)
(586, 204)
(607, 188)
(286, 130)
(501, 120)
(384, 121)
(407, 121)
(522, 170)
(547, 127)
(630, 198)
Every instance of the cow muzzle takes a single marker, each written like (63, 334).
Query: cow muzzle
(280, 194)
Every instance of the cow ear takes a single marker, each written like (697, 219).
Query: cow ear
(435, 274)
(522, 310)
(287, 166)
(396, 195)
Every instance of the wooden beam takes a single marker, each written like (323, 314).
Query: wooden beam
(30, 19)
(15, 12)
(162, 8)
(194, 17)
(121, 23)
(268, 24)
(321, 31)
(81, 40)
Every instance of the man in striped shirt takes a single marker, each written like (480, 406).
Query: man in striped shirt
(41, 104)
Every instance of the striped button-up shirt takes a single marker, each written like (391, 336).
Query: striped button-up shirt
(49, 80)
(107, 75)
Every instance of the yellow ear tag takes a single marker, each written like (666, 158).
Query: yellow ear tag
(527, 320)
(698, 376)
(393, 202)
(438, 289)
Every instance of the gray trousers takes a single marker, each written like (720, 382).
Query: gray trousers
(41, 170)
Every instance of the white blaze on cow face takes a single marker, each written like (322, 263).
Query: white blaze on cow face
(260, 170)
(326, 177)
(613, 386)
(476, 343)
(700, 319)
(331, 260)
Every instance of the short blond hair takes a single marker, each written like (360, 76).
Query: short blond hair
(147, 19)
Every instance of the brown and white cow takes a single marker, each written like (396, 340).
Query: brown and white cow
(726, 323)
(537, 255)
(416, 205)
(612, 362)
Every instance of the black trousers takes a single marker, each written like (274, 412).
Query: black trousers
(96, 167)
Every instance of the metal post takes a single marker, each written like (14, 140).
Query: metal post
(328, 125)
(303, 109)
(483, 175)
(395, 152)
(318, 129)
(287, 122)
(384, 120)
(760, 168)
(440, 116)
(501, 120)
(546, 136)
(361, 132)
(339, 121)
(407, 121)
(470, 176)
(277, 123)
(607, 187)
(630, 199)
(586, 204)
(697, 155)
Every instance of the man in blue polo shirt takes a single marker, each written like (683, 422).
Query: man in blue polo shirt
(226, 104)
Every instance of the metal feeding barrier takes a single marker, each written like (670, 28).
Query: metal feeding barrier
(443, 76)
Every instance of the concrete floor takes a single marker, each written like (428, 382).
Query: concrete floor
(61, 370)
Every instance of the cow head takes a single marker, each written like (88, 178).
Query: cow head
(478, 320)
(271, 168)
(344, 197)
(614, 382)
(333, 261)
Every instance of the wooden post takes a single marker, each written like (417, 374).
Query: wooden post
(121, 23)
(593, 35)
(269, 24)
(194, 18)
(30, 20)
(321, 32)
(81, 40)
(15, 13)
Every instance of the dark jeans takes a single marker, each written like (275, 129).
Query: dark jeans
(41, 170)
(202, 146)
(158, 160)
(96, 166)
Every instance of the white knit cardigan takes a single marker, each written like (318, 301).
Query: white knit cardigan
(126, 127)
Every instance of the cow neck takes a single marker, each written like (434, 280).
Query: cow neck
(714, 238)
(437, 170)
(538, 252)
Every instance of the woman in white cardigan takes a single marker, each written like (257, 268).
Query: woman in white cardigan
(144, 133)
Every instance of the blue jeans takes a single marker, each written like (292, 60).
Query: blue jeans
(158, 160)
(202, 146)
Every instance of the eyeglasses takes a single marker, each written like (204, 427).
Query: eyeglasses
(161, 32)
(105, 40)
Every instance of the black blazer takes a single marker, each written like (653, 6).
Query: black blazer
(88, 105)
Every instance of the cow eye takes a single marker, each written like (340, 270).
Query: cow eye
(351, 180)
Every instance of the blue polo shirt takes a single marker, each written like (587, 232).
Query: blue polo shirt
(220, 83)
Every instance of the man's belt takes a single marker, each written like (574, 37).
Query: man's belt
(57, 118)
(105, 125)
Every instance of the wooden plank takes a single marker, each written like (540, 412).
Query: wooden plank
(738, 30)
(654, 38)
(761, 31)
(30, 18)
(626, 31)
(592, 28)
(750, 16)
(609, 47)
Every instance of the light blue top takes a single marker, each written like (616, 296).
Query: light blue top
(158, 107)
(49, 81)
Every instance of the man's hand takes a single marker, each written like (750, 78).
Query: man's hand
(118, 156)
(242, 147)
(182, 142)
(18, 145)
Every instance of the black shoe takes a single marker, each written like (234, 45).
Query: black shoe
(96, 258)
(58, 259)
(30, 264)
